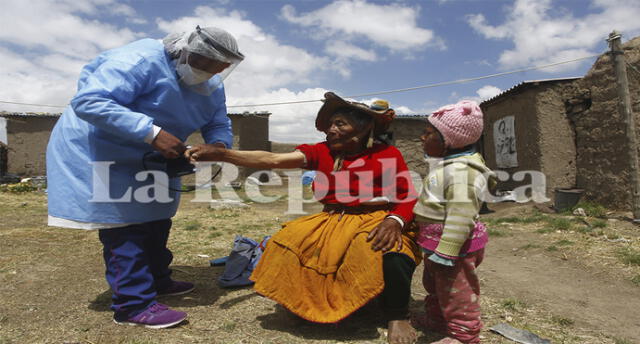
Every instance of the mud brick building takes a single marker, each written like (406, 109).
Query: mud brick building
(571, 129)
(526, 129)
(26, 136)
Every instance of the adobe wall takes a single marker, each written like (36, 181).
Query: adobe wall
(557, 138)
(406, 137)
(527, 134)
(28, 137)
(602, 163)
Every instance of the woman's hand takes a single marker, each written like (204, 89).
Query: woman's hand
(205, 152)
(386, 235)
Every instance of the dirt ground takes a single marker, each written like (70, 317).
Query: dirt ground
(565, 278)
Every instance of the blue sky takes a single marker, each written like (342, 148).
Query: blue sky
(297, 50)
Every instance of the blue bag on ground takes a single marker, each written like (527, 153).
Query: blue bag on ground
(241, 261)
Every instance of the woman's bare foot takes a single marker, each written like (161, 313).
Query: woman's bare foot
(401, 332)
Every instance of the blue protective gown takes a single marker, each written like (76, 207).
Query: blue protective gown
(121, 95)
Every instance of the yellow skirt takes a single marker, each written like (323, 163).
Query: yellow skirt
(321, 267)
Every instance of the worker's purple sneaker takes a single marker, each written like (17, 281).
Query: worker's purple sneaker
(156, 316)
(176, 288)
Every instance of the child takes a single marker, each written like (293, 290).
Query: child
(451, 238)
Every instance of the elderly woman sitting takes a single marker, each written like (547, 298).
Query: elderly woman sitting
(325, 266)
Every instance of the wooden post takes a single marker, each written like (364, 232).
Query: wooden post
(624, 108)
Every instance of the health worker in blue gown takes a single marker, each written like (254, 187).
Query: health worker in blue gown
(146, 96)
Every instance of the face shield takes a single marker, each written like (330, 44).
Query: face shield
(207, 58)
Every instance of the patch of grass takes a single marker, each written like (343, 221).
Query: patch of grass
(224, 213)
(528, 246)
(562, 321)
(599, 224)
(636, 280)
(621, 341)
(585, 230)
(512, 304)
(629, 256)
(192, 225)
(591, 208)
(535, 217)
(18, 187)
(563, 242)
(140, 341)
(559, 223)
(613, 236)
(495, 232)
(229, 326)
(552, 248)
(214, 235)
(544, 230)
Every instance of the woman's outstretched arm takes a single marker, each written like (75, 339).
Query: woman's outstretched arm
(254, 159)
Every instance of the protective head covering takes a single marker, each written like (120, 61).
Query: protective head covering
(210, 42)
(460, 124)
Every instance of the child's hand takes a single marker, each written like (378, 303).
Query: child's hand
(205, 152)
(386, 235)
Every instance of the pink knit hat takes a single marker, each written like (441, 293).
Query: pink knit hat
(460, 124)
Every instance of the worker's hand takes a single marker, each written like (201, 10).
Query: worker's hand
(205, 152)
(386, 235)
(168, 145)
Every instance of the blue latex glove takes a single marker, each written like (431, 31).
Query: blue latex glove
(441, 260)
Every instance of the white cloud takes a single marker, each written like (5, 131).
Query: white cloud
(268, 64)
(41, 65)
(482, 94)
(29, 82)
(487, 92)
(60, 27)
(43, 45)
(345, 50)
(268, 67)
(393, 26)
(542, 32)
(405, 110)
(288, 123)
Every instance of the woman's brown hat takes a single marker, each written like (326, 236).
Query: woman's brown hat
(380, 112)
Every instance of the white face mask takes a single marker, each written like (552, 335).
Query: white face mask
(192, 76)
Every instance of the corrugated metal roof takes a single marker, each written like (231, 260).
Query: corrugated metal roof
(416, 115)
(524, 85)
(47, 114)
(28, 114)
(247, 113)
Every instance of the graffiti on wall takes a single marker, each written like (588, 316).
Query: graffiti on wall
(3, 130)
(504, 136)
